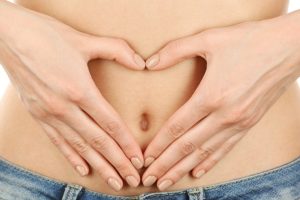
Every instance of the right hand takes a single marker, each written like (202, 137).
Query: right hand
(47, 64)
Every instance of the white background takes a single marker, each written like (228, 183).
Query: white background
(4, 80)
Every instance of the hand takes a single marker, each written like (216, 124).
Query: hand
(47, 63)
(249, 65)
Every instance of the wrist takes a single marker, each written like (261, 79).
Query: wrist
(13, 19)
(292, 24)
(9, 17)
(287, 29)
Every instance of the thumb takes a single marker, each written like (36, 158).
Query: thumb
(115, 49)
(177, 51)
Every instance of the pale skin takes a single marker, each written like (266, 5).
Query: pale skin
(61, 95)
(91, 50)
(226, 105)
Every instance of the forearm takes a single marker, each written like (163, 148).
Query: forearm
(293, 19)
(288, 28)
(10, 28)
(293, 25)
(7, 25)
(19, 32)
(17, 21)
(10, 17)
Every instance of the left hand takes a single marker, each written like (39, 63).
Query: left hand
(249, 66)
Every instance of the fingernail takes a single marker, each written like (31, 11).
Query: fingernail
(148, 161)
(149, 180)
(165, 184)
(81, 170)
(200, 173)
(139, 60)
(132, 181)
(112, 182)
(152, 61)
(136, 162)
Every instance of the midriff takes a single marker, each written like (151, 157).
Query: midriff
(147, 26)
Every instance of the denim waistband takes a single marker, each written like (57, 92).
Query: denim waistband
(282, 182)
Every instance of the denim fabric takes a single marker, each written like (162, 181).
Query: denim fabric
(280, 183)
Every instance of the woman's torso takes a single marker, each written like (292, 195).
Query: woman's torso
(147, 26)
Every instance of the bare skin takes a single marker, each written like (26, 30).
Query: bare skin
(224, 107)
(153, 96)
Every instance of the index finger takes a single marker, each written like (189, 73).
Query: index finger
(178, 50)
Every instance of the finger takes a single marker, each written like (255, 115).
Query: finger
(181, 148)
(176, 51)
(181, 121)
(76, 161)
(101, 142)
(214, 158)
(115, 49)
(185, 165)
(97, 161)
(181, 169)
(109, 120)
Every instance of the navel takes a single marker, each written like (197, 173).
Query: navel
(144, 122)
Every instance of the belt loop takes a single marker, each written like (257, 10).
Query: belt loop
(71, 192)
(196, 193)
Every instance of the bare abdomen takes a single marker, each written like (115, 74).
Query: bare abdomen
(146, 99)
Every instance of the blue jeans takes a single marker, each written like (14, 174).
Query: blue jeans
(280, 183)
